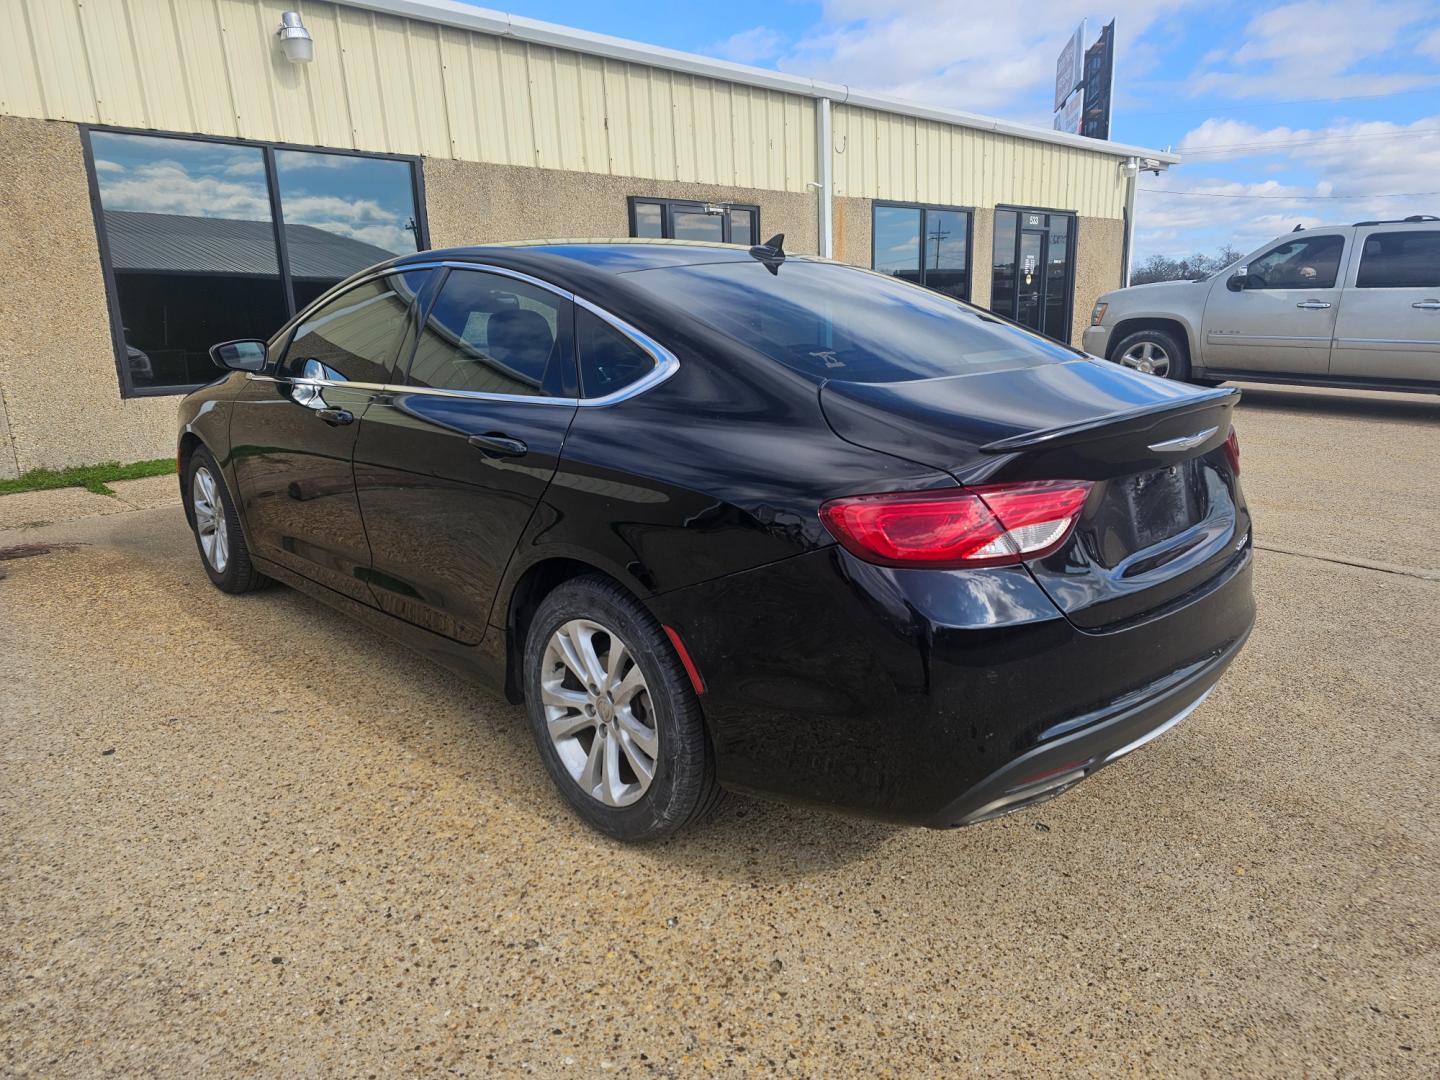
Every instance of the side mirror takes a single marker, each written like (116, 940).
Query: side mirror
(247, 354)
(1236, 281)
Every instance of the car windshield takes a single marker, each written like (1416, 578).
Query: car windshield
(839, 322)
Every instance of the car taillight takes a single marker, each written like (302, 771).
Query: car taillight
(1232, 451)
(994, 525)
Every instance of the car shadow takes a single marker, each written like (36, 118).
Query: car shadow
(1416, 407)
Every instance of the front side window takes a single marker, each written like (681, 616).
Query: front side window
(1400, 260)
(1309, 263)
(674, 219)
(609, 360)
(355, 336)
(193, 243)
(837, 322)
(494, 334)
(926, 245)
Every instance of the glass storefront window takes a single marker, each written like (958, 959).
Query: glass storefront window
(193, 257)
(192, 251)
(927, 245)
(676, 219)
(342, 213)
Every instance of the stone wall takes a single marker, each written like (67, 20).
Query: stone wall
(58, 380)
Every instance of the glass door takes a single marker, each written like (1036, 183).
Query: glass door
(1030, 284)
(1032, 279)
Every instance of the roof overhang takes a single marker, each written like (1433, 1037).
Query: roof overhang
(503, 24)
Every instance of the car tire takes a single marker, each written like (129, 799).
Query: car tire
(216, 525)
(1153, 352)
(599, 755)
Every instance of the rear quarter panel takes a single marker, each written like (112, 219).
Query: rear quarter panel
(719, 469)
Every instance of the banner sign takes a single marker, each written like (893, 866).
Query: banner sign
(1070, 66)
(1099, 77)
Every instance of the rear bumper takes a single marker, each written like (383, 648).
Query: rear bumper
(923, 697)
(1057, 765)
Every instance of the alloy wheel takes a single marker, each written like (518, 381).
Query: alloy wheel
(1148, 357)
(598, 712)
(210, 523)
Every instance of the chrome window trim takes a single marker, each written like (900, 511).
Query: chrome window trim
(666, 362)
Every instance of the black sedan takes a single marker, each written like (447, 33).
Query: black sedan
(727, 519)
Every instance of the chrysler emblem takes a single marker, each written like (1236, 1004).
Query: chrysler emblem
(1184, 442)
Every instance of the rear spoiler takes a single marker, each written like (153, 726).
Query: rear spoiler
(1049, 438)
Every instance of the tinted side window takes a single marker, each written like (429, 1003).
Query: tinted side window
(493, 334)
(608, 359)
(1400, 260)
(1311, 263)
(354, 337)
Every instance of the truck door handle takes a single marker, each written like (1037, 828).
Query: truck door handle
(336, 417)
(1313, 305)
(497, 445)
(1427, 305)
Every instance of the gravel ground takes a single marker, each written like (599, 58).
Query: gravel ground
(244, 836)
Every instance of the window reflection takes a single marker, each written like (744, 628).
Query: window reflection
(836, 322)
(493, 334)
(342, 213)
(356, 336)
(192, 247)
(926, 245)
(897, 241)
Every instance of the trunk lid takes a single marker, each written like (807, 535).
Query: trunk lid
(1165, 512)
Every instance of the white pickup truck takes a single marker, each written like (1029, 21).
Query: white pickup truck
(1343, 305)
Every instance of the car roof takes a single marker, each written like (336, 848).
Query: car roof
(615, 256)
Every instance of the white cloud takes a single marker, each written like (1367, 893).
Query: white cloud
(1429, 45)
(166, 187)
(1298, 49)
(940, 53)
(1377, 161)
(101, 165)
(751, 46)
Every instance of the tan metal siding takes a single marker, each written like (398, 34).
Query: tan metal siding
(388, 84)
(886, 156)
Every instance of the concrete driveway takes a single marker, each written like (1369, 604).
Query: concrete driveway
(245, 836)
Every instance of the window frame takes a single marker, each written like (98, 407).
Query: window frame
(1072, 244)
(272, 186)
(666, 362)
(925, 208)
(667, 208)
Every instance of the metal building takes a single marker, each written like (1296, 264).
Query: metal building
(170, 177)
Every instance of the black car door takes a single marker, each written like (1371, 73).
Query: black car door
(450, 467)
(293, 432)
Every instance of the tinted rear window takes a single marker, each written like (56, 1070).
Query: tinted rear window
(838, 322)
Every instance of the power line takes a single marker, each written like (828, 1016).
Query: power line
(1227, 147)
(1231, 106)
(1290, 198)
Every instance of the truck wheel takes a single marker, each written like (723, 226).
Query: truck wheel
(1153, 352)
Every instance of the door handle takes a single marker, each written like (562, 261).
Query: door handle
(1313, 305)
(336, 417)
(1427, 305)
(496, 445)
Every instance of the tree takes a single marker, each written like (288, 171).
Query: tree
(1186, 268)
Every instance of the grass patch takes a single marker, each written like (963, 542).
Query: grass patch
(90, 477)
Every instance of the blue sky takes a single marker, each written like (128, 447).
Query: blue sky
(1278, 108)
